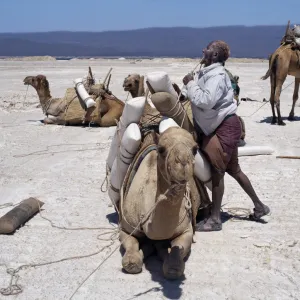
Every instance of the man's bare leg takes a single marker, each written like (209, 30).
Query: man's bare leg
(214, 222)
(260, 209)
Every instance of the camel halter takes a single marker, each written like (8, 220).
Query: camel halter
(177, 185)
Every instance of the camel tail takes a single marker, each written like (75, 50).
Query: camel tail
(271, 66)
(267, 75)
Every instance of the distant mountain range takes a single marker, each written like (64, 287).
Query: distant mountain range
(245, 42)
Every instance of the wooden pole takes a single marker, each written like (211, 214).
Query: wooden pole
(107, 76)
(288, 156)
(150, 87)
(107, 87)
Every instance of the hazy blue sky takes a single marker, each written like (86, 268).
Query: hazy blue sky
(99, 15)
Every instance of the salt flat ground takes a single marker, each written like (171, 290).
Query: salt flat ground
(65, 166)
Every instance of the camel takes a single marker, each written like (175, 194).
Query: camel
(70, 110)
(159, 203)
(284, 61)
(134, 84)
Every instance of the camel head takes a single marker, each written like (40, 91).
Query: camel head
(131, 83)
(176, 150)
(39, 82)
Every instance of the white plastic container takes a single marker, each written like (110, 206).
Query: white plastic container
(161, 82)
(130, 143)
(132, 113)
(88, 100)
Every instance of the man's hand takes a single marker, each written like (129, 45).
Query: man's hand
(187, 78)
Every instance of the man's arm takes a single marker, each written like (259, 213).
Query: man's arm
(206, 98)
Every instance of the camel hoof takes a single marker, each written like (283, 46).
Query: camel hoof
(174, 270)
(274, 120)
(132, 263)
(281, 123)
(291, 118)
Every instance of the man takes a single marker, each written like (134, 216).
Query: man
(218, 129)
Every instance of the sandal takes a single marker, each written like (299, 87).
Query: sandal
(205, 227)
(258, 214)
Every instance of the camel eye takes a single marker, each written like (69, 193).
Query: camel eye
(161, 149)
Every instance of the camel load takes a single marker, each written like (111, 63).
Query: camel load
(85, 103)
(292, 36)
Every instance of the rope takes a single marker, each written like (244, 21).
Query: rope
(266, 102)
(143, 219)
(46, 151)
(105, 181)
(14, 288)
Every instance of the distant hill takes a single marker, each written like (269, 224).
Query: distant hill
(250, 42)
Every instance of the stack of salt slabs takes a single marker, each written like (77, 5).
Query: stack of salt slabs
(160, 82)
(127, 138)
(124, 146)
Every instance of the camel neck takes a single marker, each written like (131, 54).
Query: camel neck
(169, 206)
(44, 96)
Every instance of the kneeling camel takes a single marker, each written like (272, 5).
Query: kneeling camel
(160, 203)
(69, 110)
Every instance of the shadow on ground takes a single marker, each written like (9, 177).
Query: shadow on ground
(269, 120)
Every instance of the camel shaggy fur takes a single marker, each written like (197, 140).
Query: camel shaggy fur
(284, 61)
(157, 204)
(108, 108)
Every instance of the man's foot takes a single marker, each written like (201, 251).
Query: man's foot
(208, 225)
(259, 213)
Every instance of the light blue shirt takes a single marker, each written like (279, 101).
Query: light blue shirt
(211, 96)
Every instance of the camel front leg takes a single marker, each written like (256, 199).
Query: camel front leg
(174, 265)
(53, 121)
(295, 98)
(132, 260)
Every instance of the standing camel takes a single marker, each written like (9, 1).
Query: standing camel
(284, 61)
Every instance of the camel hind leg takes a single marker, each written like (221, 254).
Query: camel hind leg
(132, 261)
(295, 98)
(174, 265)
(272, 98)
(278, 90)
